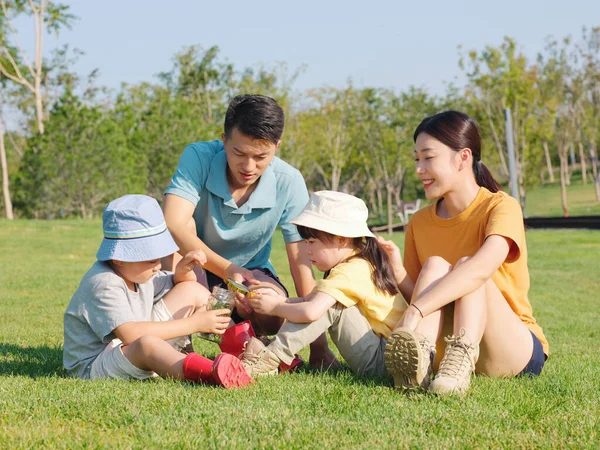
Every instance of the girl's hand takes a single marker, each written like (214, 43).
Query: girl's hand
(214, 321)
(410, 319)
(266, 301)
(392, 251)
(191, 260)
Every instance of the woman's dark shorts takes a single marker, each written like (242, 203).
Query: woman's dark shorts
(538, 358)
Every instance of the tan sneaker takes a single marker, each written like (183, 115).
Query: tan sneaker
(409, 358)
(258, 360)
(454, 375)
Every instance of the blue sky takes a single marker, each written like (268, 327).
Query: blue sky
(378, 43)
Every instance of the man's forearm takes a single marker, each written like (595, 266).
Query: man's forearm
(187, 242)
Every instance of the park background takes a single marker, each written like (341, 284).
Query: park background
(106, 102)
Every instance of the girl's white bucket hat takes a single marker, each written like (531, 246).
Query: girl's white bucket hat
(335, 213)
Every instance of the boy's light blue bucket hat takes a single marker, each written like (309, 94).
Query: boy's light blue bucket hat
(134, 231)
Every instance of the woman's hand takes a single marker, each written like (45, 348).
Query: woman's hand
(410, 319)
(392, 251)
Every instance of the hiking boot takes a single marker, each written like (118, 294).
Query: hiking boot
(454, 375)
(409, 359)
(258, 360)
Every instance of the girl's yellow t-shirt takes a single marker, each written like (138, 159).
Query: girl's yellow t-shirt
(350, 284)
(428, 235)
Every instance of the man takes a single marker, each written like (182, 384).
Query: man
(227, 198)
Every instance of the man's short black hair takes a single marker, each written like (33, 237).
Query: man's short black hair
(255, 116)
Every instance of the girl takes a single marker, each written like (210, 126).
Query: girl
(468, 256)
(358, 300)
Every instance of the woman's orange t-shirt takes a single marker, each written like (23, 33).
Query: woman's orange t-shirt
(428, 235)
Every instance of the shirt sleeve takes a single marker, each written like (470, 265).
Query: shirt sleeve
(506, 219)
(107, 309)
(412, 264)
(163, 283)
(338, 285)
(297, 200)
(191, 174)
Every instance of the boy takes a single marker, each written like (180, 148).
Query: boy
(129, 319)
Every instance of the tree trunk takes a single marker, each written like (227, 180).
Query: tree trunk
(583, 164)
(38, 17)
(594, 161)
(379, 199)
(390, 209)
(564, 172)
(5, 190)
(548, 162)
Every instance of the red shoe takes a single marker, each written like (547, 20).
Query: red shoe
(235, 338)
(228, 371)
(296, 363)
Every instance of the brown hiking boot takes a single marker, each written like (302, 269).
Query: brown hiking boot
(258, 360)
(409, 359)
(454, 375)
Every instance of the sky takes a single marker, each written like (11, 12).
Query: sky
(376, 43)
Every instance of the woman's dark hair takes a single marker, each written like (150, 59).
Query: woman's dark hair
(371, 251)
(255, 116)
(457, 130)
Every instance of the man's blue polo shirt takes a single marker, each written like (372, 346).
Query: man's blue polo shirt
(241, 235)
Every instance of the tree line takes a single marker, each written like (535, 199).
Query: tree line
(79, 145)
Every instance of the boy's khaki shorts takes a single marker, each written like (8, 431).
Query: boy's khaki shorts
(111, 363)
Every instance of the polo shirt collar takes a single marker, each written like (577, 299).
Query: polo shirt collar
(264, 196)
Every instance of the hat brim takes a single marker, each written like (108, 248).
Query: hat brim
(137, 249)
(338, 228)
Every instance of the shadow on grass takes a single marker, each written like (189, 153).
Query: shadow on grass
(345, 373)
(34, 362)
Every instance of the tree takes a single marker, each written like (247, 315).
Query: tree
(8, 209)
(78, 165)
(15, 65)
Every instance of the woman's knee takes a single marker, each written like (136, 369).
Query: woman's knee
(462, 260)
(436, 264)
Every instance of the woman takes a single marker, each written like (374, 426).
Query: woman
(468, 255)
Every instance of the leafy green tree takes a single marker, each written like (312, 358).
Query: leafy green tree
(78, 165)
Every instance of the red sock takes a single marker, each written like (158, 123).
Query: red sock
(197, 368)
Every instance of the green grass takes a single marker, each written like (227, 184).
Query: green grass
(545, 201)
(40, 407)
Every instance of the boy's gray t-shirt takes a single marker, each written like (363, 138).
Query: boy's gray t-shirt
(101, 303)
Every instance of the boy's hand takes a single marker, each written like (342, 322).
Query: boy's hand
(214, 321)
(191, 260)
(265, 301)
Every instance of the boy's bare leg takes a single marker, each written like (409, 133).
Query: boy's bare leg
(154, 354)
(185, 298)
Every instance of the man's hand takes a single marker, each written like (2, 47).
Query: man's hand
(240, 274)
(265, 301)
(215, 321)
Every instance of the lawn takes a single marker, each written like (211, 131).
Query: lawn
(40, 407)
(545, 201)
